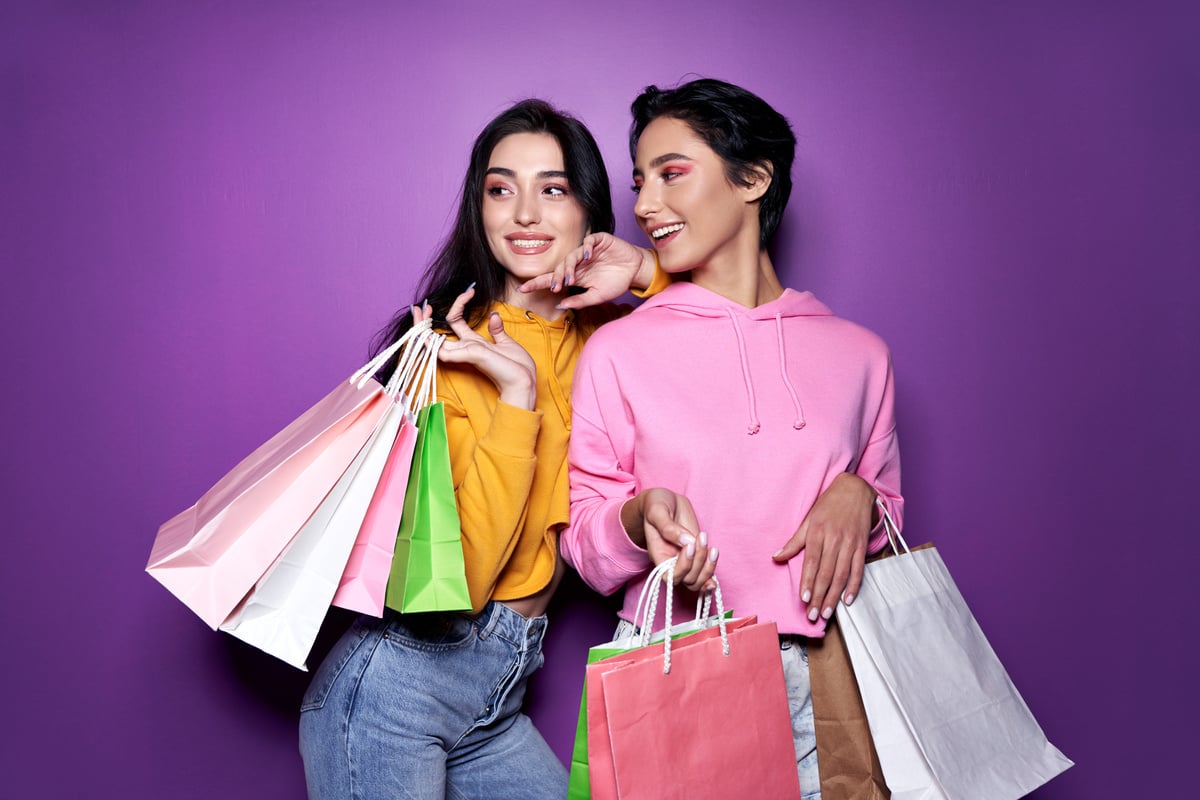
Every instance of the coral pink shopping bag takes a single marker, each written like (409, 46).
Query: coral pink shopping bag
(704, 717)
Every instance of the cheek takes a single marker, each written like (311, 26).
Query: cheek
(572, 222)
(493, 219)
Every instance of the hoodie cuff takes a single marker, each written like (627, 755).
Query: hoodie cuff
(660, 281)
(514, 430)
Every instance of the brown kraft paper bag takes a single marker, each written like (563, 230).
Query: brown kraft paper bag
(846, 756)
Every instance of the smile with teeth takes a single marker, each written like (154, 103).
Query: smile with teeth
(666, 230)
(529, 242)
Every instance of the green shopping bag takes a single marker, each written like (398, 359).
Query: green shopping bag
(579, 785)
(428, 572)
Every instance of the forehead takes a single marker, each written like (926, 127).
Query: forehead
(667, 135)
(533, 152)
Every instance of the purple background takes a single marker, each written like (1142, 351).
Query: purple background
(209, 208)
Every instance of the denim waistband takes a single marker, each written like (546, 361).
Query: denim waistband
(497, 619)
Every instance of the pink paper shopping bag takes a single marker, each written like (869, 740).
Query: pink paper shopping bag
(710, 725)
(210, 555)
(364, 581)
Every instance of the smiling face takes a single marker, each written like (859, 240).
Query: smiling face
(530, 215)
(695, 217)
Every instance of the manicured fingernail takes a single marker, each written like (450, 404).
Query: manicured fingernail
(554, 287)
(712, 555)
(566, 281)
(848, 599)
(776, 553)
(687, 539)
(472, 286)
(587, 254)
(691, 550)
(703, 539)
(806, 595)
(812, 614)
(827, 613)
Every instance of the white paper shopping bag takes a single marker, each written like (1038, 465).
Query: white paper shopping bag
(948, 723)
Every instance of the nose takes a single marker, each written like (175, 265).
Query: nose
(527, 211)
(648, 201)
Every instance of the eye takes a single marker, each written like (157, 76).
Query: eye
(557, 191)
(497, 191)
(636, 188)
(669, 175)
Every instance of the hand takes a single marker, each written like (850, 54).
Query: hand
(502, 360)
(664, 523)
(834, 538)
(604, 265)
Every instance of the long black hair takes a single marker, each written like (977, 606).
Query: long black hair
(465, 255)
(740, 127)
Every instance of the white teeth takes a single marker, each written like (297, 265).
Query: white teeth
(529, 242)
(667, 230)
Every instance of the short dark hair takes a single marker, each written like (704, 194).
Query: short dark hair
(465, 256)
(739, 126)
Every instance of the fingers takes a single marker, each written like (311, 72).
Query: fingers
(792, 548)
(542, 281)
(422, 312)
(703, 563)
(496, 328)
(455, 319)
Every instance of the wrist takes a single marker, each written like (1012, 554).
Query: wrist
(631, 521)
(521, 394)
(644, 277)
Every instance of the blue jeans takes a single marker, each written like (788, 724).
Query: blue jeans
(793, 650)
(429, 706)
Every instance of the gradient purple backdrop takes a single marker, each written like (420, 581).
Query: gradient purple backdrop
(208, 209)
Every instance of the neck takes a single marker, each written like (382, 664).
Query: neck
(749, 280)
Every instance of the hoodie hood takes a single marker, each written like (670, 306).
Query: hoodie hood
(688, 298)
(696, 301)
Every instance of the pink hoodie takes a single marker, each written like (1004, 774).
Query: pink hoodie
(750, 413)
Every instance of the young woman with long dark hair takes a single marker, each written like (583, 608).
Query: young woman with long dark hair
(429, 705)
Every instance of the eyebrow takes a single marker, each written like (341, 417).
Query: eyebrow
(663, 159)
(508, 173)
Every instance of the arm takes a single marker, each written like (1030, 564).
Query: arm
(844, 524)
(606, 267)
(494, 463)
(617, 532)
(492, 454)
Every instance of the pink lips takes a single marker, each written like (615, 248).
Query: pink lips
(523, 243)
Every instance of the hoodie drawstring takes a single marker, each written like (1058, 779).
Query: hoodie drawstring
(753, 427)
(798, 423)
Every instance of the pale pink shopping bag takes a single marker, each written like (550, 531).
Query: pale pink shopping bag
(364, 581)
(210, 555)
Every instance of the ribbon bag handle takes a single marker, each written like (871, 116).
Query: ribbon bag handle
(893, 530)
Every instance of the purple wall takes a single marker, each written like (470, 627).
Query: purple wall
(208, 210)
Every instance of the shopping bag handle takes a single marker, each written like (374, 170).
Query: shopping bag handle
(893, 530)
(663, 573)
(366, 371)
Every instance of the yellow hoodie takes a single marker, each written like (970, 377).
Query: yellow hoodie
(510, 464)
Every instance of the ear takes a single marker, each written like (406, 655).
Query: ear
(759, 182)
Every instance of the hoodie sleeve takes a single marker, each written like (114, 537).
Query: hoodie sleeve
(595, 543)
(880, 462)
(493, 463)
